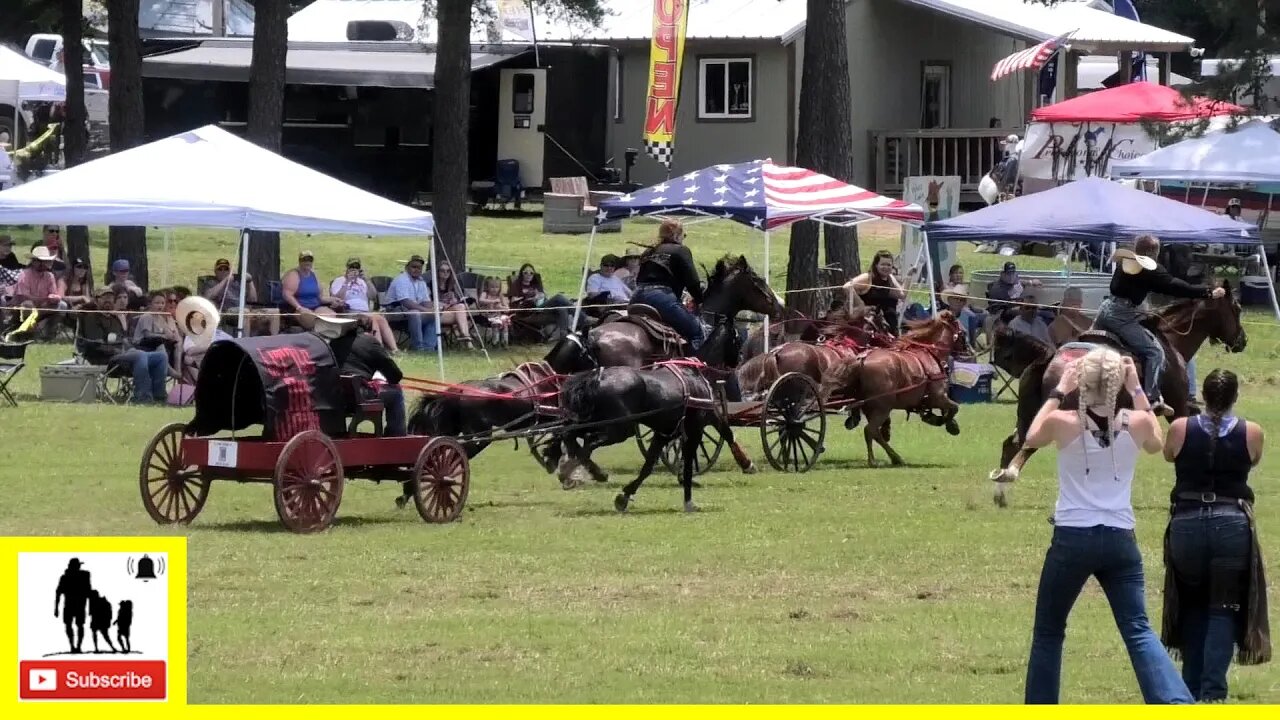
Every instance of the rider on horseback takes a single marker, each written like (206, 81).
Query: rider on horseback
(666, 271)
(1136, 275)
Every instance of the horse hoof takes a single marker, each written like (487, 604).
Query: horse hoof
(401, 502)
(620, 502)
(750, 469)
(850, 423)
(953, 428)
(689, 507)
(1001, 496)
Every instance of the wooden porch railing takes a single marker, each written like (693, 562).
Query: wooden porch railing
(967, 153)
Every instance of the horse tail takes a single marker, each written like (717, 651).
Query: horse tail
(579, 393)
(428, 416)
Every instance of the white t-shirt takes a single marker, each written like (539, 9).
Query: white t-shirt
(1095, 483)
(357, 298)
(617, 289)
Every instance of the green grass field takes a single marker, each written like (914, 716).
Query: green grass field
(846, 584)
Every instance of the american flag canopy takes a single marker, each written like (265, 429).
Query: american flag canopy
(759, 194)
(1033, 58)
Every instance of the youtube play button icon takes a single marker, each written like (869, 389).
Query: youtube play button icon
(42, 680)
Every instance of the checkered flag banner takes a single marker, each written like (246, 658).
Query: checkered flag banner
(660, 150)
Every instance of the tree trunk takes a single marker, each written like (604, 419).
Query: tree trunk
(451, 126)
(802, 267)
(75, 135)
(125, 115)
(266, 117)
(825, 139)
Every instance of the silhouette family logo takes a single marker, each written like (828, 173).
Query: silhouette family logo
(106, 636)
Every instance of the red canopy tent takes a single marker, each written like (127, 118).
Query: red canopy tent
(1131, 103)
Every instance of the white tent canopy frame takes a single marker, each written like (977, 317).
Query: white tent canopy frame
(223, 182)
(834, 218)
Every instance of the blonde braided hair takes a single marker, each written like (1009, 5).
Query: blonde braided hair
(1101, 376)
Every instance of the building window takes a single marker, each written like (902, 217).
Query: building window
(522, 85)
(617, 88)
(935, 96)
(724, 88)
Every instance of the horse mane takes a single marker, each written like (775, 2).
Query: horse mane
(917, 329)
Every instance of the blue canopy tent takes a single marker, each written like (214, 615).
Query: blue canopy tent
(1094, 209)
(757, 194)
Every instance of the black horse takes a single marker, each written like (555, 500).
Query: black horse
(605, 406)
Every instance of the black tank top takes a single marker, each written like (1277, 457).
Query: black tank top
(1226, 473)
(883, 300)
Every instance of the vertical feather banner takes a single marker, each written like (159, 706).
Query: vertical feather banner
(666, 55)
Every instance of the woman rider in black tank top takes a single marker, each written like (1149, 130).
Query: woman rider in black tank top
(1213, 601)
(882, 290)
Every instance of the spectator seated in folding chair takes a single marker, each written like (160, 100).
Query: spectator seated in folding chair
(102, 340)
(1011, 353)
(12, 360)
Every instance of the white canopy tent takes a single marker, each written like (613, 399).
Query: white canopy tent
(35, 82)
(1249, 154)
(210, 178)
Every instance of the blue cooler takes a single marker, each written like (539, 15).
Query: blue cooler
(1254, 291)
(971, 383)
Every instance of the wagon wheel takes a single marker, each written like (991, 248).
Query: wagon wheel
(308, 482)
(793, 423)
(709, 447)
(173, 490)
(441, 480)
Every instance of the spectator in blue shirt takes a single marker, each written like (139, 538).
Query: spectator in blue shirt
(409, 294)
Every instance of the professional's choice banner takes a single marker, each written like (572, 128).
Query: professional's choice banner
(1056, 153)
(670, 18)
(516, 18)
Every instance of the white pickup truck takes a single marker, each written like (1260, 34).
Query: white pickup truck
(97, 79)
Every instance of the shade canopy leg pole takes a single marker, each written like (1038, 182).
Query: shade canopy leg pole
(1271, 283)
(928, 264)
(766, 282)
(582, 286)
(244, 262)
(168, 258)
(435, 302)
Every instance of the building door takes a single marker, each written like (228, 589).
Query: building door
(522, 113)
(935, 96)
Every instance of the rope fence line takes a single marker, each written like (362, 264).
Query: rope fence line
(261, 312)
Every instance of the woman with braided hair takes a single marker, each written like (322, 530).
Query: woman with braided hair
(1093, 522)
(1215, 591)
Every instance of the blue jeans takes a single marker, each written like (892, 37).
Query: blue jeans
(1209, 548)
(1124, 320)
(1111, 555)
(392, 398)
(1191, 378)
(673, 313)
(150, 371)
(422, 328)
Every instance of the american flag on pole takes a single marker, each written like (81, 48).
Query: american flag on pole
(1033, 58)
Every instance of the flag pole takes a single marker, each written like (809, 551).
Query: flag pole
(766, 282)
(533, 29)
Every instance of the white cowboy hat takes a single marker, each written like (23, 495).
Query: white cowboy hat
(332, 328)
(960, 291)
(1132, 263)
(197, 319)
(42, 253)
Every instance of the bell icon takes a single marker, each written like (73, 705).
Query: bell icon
(146, 569)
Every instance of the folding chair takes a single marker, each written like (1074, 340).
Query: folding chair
(12, 360)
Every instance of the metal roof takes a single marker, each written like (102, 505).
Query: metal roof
(1097, 31)
(709, 19)
(390, 65)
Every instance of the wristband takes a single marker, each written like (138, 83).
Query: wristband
(1139, 391)
(1057, 394)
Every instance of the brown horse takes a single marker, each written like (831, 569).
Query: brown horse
(836, 337)
(1181, 328)
(910, 375)
(731, 288)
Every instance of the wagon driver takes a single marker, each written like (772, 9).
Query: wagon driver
(358, 354)
(666, 272)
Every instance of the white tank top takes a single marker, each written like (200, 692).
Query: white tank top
(1095, 483)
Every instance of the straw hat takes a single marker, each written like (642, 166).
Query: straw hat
(198, 319)
(332, 328)
(1132, 263)
(960, 291)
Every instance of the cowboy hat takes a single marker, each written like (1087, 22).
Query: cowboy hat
(1132, 263)
(198, 319)
(960, 291)
(42, 254)
(331, 328)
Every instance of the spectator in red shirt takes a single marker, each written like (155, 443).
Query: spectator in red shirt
(36, 286)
